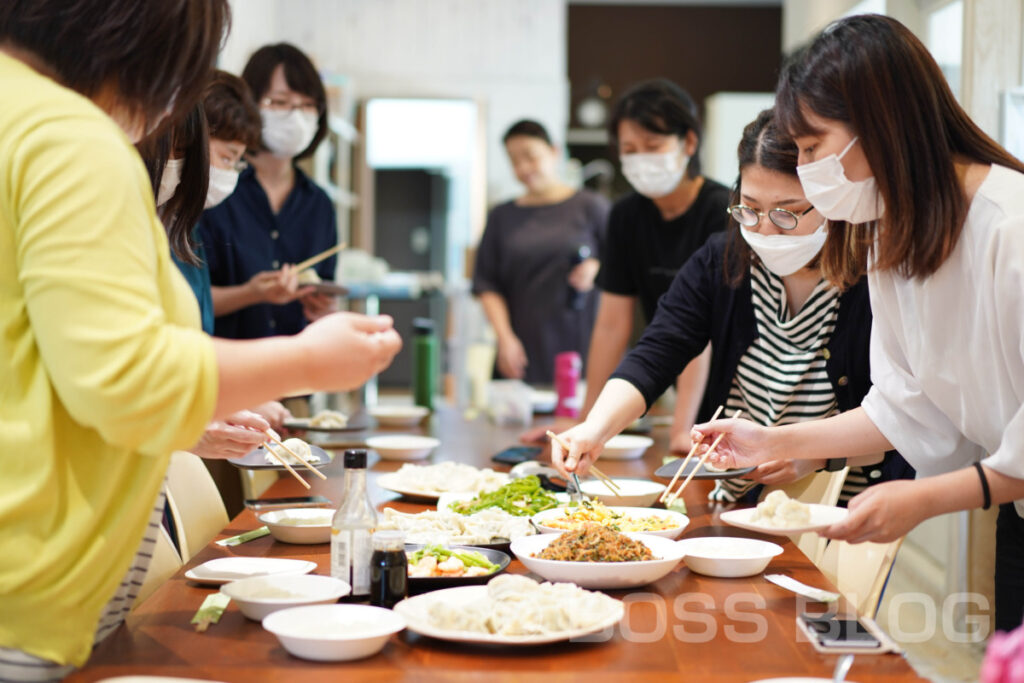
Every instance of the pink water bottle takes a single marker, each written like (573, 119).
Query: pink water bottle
(568, 366)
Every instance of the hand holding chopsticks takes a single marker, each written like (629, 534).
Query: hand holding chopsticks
(611, 485)
(288, 467)
(714, 444)
(668, 490)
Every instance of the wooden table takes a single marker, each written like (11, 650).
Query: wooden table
(684, 626)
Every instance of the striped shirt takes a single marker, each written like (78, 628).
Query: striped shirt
(782, 377)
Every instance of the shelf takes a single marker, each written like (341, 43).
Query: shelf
(586, 136)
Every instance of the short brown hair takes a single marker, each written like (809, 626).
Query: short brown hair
(874, 75)
(231, 112)
(157, 54)
(299, 73)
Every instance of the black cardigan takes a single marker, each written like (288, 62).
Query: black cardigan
(701, 308)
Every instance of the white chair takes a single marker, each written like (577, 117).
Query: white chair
(195, 503)
(162, 566)
(822, 488)
(859, 571)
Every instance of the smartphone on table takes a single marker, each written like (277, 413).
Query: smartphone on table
(839, 632)
(517, 454)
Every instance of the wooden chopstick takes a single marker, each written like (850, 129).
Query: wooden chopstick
(604, 478)
(313, 260)
(266, 444)
(703, 459)
(295, 455)
(668, 491)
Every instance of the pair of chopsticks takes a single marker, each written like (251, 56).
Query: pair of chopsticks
(288, 467)
(671, 497)
(604, 479)
(313, 260)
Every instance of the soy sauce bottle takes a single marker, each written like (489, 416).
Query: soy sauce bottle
(389, 569)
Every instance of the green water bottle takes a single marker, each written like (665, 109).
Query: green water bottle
(424, 362)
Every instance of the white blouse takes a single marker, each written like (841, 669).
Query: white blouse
(947, 352)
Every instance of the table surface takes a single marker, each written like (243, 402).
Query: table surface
(687, 625)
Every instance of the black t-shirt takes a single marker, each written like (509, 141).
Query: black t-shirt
(643, 252)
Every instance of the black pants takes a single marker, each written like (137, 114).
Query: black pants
(1009, 568)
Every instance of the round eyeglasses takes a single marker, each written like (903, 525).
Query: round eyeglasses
(780, 218)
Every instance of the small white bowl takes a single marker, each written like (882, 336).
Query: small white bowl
(300, 525)
(677, 519)
(398, 415)
(639, 493)
(334, 633)
(728, 557)
(626, 447)
(600, 575)
(262, 595)
(403, 446)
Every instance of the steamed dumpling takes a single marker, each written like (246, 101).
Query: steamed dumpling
(298, 446)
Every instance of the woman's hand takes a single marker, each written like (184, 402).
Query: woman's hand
(232, 437)
(344, 350)
(316, 306)
(512, 359)
(776, 472)
(585, 446)
(581, 277)
(882, 513)
(274, 413)
(745, 444)
(679, 440)
(278, 286)
(538, 434)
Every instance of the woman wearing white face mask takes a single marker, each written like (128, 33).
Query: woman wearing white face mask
(942, 242)
(786, 345)
(652, 232)
(276, 216)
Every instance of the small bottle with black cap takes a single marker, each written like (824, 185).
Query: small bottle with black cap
(352, 528)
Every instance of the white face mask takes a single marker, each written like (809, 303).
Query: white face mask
(222, 184)
(654, 175)
(835, 196)
(169, 181)
(785, 254)
(287, 133)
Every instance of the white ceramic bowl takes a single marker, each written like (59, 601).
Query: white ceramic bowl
(603, 575)
(334, 633)
(262, 595)
(398, 415)
(300, 525)
(678, 520)
(403, 446)
(728, 556)
(626, 447)
(638, 493)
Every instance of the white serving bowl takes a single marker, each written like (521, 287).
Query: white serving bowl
(398, 415)
(403, 446)
(626, 447)
(308, 525)
(728, 557)
(639, 493)
(679, 520)
(256, 596)
(600, 575)
(334, 633)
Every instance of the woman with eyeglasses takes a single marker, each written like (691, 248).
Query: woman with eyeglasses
(935, 212)
(276, 216)
(786, 345)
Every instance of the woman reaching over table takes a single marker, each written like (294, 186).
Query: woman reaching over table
(103, 368)
(786, 345)
(936, 209)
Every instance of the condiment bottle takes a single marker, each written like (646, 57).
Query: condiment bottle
(389, 569)
(568, 366)
(352, 527)
(425, 362)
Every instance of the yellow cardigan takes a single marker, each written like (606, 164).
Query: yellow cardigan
(103, 370)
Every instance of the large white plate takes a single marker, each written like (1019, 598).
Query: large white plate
(387, 482)
(224, 569)
(603, 575)
(626, 447)
(680, 520)
(415, 612)
(822, 516)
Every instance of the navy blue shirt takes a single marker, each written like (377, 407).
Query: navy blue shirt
(242, 236)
